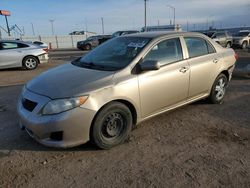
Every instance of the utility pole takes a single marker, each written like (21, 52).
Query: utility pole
(173, 8)
(86, 28)
(33, 30)
(52, 26)
(145, 15)
(7, 24)
(102, 25)
(23, 31)
(187, 26)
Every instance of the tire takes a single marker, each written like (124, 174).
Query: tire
(88, 47)
(244, 45)
(228, 45)
(219, 89)
(30, 62)
(111, 126)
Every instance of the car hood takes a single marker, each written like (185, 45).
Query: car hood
(69, 80)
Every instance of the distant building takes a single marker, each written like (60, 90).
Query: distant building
(163, 28)
(82, 33)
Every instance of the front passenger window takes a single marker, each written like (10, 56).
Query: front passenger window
(166, 52)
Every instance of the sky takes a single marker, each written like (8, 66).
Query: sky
(70, 15)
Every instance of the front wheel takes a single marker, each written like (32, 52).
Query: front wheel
(228, 45)
(111, 126)
(88, 47)
(219, 89)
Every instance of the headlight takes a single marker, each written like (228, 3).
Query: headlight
(61, 105)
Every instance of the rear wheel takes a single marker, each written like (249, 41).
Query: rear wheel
(111, 126)
(30, 62)
(219, 89)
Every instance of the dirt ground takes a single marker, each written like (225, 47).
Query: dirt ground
(198, 145)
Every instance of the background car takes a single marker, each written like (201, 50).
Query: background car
(120, 33)
(242, 39)
(92, 42)
(14, 53)
(223, 38)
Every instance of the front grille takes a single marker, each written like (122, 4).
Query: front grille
(56, 136)
(29, 105)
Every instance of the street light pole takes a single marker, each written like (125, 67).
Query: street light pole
(102, 25)
(33, 30)
(173, 8)
(145, 15)
(52, 26)
(7, 24)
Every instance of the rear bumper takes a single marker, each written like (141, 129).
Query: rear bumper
(44, 58)
(230, 71)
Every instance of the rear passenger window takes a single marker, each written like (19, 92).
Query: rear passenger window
(210, 48)
(21, 45)
(166, 52)
(198, 47)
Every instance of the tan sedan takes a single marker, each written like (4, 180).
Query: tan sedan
(121, 83)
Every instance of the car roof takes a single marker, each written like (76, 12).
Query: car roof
(158, 34)
(17, 41)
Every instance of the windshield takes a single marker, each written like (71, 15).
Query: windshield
(114, 54)
(242, 34)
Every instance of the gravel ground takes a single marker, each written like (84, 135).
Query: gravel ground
(198, 145)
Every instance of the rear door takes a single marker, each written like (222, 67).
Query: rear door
(204, 65)
(10, 55)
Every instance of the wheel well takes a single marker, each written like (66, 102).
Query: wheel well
(225, 72)
(31, 56)
(131, 108)
(127, 103)
(245, 41)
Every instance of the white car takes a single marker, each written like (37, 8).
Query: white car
(242, 39)
(16, 53)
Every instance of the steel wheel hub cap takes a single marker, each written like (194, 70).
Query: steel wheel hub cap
(113, 125)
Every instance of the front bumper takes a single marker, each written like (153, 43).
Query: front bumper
(73, 125)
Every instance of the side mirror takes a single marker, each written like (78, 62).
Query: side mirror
(150, 65)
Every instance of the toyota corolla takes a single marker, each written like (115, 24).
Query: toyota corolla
(104, 94)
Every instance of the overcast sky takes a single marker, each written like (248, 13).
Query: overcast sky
(118, 15)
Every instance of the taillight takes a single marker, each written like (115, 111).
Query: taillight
(236, 56)
(46, 50)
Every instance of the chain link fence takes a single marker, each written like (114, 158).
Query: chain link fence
(57, 41)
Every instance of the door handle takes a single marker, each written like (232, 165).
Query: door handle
(215, 61)
(183, 69)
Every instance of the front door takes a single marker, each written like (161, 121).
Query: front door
(10, 55)
(160, 89)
